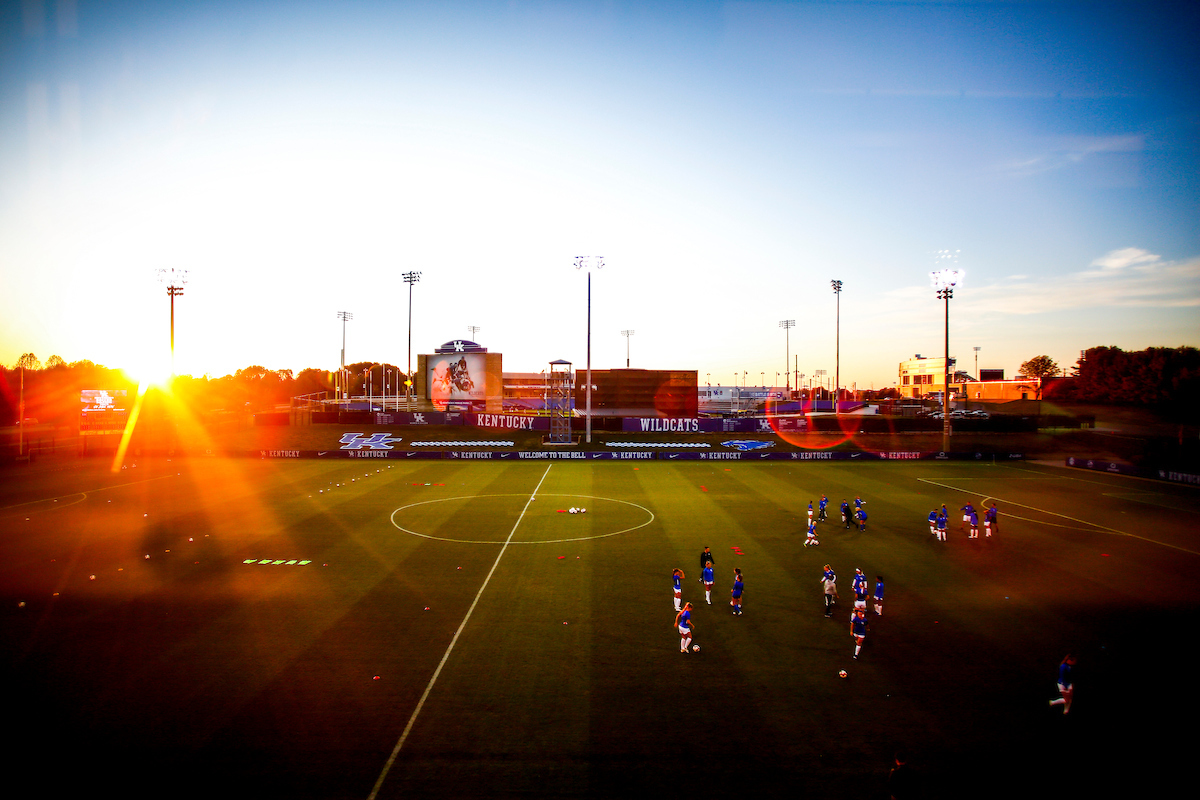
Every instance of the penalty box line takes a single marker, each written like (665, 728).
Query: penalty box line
(1096, 527)
(453, 641)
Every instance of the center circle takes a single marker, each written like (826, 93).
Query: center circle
(497, 514)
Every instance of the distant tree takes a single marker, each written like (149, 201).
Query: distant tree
(55, 361)
(1165, 377)
(28, 361)
(1040, 367)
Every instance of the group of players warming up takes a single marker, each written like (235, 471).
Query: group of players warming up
(683, 611)
(938, 521)
(856, 515)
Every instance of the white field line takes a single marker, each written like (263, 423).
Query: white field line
(429, 687)
(85, 494)
(1093, 525)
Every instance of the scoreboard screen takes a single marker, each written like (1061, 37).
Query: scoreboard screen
(103, 411)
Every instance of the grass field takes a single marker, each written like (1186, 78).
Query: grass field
(320, 629)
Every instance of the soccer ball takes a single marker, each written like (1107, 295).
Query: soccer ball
(583, 511)
(842, 673)
(695, 648)
(573, 510)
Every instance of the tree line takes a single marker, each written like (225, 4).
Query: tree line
(52, 389)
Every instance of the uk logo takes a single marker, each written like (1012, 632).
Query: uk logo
(745, 445)
(376, 441)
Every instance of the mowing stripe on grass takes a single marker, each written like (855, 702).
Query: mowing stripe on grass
(1100, 528)
(429, 687)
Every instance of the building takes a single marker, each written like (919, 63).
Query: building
(920, 376)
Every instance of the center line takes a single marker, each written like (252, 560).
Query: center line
(412, 720)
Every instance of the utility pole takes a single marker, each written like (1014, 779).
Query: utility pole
(627, 334)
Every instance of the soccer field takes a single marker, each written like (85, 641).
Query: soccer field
(351, 628)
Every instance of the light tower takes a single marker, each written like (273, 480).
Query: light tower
(174, 279)
(627, 334)
(787, 324)
(344, 316)
(589, 263)
(474, 329)
(410, 278)
(944, 280)
(837, 352)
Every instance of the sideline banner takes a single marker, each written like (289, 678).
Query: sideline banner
(383, 449)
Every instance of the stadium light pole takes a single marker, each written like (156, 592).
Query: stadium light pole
(175, 280)
(837, 348)
(410, 278)
(944, 280)
(344, 316)
(627, 334)
(588, 263)
(786, 324)
(474, 329)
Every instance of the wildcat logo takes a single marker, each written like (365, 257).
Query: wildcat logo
(747, 444)
(376, 441)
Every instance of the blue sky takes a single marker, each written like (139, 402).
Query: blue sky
(727, 159)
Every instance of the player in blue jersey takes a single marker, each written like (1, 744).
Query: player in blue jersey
(845, 508)
(1066, 683)
(676, 577)
(829, 583)
(933, 515)
(859, 502)
(735, 596)
(967, 510)
(683, 622)
(821, 506)
(860, 517)
(858, 629)
(707, 577)
(879, 595)
(860, 590)
(974, 523)
(811, 541)
(942, 520)
(991, 522)
(810, 511)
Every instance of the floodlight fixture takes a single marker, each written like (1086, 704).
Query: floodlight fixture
(787, 325)
(174, 280)
(589, 263)
(410, 278)
(944, 280)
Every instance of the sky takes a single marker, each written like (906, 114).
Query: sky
(727, 160)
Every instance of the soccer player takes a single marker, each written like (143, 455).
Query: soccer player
(846, 514)
(810, 511)
(859, 502)
(879, 595)
(860, 590)
(858, 630)
(706, 559)
(735, 599)
(676, 577)
(990, 522)
(829, 582)
(933, 515)
(1066, 683)
(860, 517)
(942, 520)
(811, 541)
(967, 510)
(821, 508)
(707, 577)
(974, 524)
(683, 621)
